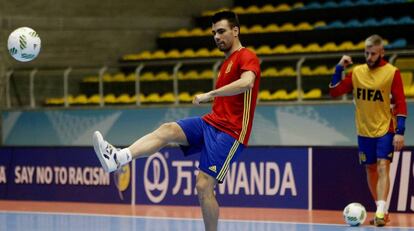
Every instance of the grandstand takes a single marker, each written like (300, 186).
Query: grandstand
(297, 50)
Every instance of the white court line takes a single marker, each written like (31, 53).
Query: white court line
(192, 219)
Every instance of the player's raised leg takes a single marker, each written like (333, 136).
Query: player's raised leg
(112, 158)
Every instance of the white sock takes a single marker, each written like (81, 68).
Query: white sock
(381, 207)
(124, 156)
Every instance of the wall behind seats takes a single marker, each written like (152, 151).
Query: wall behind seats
(96, 31)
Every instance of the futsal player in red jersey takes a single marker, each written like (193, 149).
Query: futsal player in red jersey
(220, 136)
(376, 86)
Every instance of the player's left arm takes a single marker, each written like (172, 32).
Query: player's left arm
(245, 83)
(400, 110)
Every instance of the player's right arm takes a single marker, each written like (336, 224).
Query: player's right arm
(339, 86)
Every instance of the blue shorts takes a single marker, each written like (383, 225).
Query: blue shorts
(372, 149)
(217, 149)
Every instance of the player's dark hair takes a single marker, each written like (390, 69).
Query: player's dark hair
(230, 16)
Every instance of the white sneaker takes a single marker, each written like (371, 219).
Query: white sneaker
(106, 153)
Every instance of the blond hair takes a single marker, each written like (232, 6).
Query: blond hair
(374, 40)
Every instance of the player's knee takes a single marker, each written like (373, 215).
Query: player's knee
(167, 131)
(382, 167)
(203, 187)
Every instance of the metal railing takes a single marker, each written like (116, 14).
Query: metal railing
(176, 66)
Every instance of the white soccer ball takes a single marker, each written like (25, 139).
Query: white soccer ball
(24, 44)
(355, 214)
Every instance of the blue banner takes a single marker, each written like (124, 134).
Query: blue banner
(337, 172)
(60, 174)
(262, 177)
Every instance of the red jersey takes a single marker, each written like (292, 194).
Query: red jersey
(234, 114)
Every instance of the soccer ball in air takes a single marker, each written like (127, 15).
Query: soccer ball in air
(24, 44)
(355, 214)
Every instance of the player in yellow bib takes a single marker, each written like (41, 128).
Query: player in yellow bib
(380, 113)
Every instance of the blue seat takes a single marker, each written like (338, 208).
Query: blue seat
(363, 2)
(388, 21)
(398, 43)
(353, 23)
(312, 5)
(370, 22)
(334, 24)
(329, 4)
(346, 3)
(405, 20)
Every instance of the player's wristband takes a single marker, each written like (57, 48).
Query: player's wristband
(400, 125)
(337, 76)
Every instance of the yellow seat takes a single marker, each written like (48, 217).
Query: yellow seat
(185, 97)
(110, 98)
(182, 33)
(145, 55)
(147, 76)
(163, 75)
(244, 29)
(191, 74)
(313, 47)
(304, 26)
(159, 54)
(298, 5)
(287, 71)
(282, 7)
(107, 77)
(270, 72)
(322, 70)
(359, 46)
(188, 53)
(410, 92)
(330, 46)
(347, 45)
(315, 93)
(264, 50)
(119, 77)
(206, 74)
(268, 8)
(264, 95)
(292, 95)
(296, 48)
(306, 71)
(197, 32)
(141, 98)
(287, 27)
(238, 10)
(271, 28)
(90, 79)
(280, 49)
(256, 29)
(280, 94)
(153, 98)
(202, 52)
(130, 77)
(173, 54)
(94, 99)
(167, 98)
(252, 10)
(319, 24)
(124, 99)
(55, 101)
(216, 53)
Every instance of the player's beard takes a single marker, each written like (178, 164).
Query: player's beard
(375, 63)
(222, 46)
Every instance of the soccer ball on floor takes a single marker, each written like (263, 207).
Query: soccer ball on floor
(355, 214)
(24, 44)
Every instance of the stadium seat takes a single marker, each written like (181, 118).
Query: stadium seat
(315, 93)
